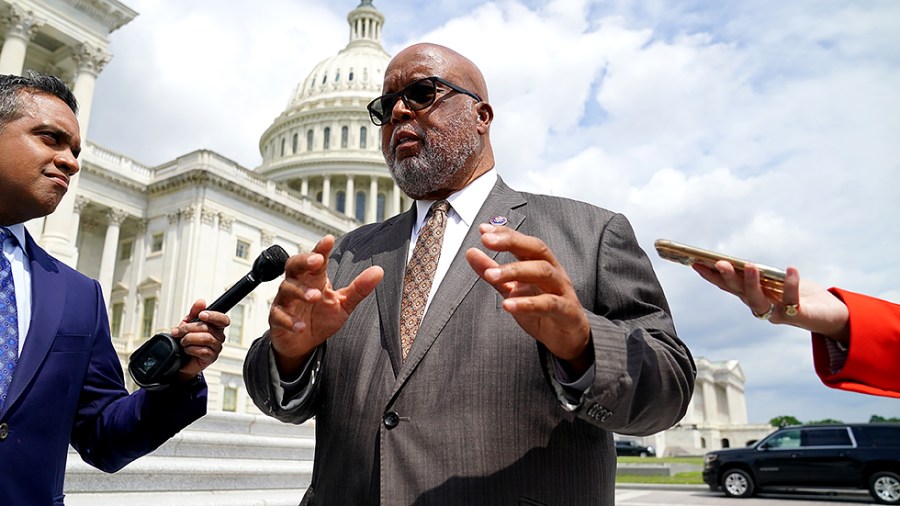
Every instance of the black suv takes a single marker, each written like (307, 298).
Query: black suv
(629, 448)
(832, 456)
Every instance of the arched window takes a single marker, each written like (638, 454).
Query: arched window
(295, 143)
(363, 133)
(380, 207)
(319, 197)
(345, 135)
(326, 138)
(350, 75)
(309, 139)
(361, 206)
(282, 146)
(341, 204)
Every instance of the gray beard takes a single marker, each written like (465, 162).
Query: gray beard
(439, 166)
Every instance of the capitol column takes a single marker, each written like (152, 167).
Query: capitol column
(80, 204)
(304, 186)
(90, 60)
(395, 197)
(22, 27)
(57, 238)
(372, 214)
(326, 191)
(350, 199)
(114, 217)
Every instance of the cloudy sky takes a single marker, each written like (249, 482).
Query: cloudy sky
(765, 129)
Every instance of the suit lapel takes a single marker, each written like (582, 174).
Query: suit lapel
(460, 278)
(389, 292)
(48, 288)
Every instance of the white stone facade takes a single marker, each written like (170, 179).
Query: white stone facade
(716, 417)
(157, 238)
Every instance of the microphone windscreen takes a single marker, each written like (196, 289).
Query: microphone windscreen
(270, 263)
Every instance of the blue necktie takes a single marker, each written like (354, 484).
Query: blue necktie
(9, 322)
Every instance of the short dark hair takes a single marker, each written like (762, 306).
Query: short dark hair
(32, 82)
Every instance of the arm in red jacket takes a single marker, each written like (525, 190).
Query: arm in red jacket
(870, 363)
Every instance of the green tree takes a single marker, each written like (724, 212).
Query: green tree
(824, 421)
(783, 421)
(881, 419)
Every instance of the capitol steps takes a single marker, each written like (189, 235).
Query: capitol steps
(223, 459)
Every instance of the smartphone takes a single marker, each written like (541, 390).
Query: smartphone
(770, 277)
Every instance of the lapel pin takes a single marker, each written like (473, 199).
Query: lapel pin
(499, 221)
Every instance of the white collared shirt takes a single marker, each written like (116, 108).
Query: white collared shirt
(464, 207)
(21, 271)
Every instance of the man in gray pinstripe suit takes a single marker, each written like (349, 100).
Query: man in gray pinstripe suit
(545, 330)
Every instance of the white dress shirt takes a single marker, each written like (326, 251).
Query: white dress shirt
(464, 207)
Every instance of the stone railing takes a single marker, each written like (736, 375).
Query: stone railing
(223, 459)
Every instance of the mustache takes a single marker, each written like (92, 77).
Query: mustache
(406, 132)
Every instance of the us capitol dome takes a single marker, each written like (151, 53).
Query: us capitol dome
(323, 145)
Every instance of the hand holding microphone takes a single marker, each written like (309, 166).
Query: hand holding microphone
(156, 364)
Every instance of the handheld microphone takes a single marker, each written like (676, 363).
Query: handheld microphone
(156, 363)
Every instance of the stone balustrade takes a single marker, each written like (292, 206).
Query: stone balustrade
(223, 459)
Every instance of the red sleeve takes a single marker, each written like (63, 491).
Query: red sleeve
(873, 358)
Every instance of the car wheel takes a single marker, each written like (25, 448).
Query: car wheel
(885, 487)
(737, 483)
(643, 454)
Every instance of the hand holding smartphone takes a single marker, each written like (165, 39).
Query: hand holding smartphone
(771, 278)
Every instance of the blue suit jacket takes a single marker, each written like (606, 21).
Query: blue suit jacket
(68, 387)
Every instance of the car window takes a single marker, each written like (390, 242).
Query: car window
(785, 439)
(825, 437)
(881, 437)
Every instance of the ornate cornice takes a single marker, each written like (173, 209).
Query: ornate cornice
(20, 22)
(225, 222)
(108, 175)
(111, 13)
(208, 216)
(80, 202)
(91, 59)
(115, 216)
(200, 177)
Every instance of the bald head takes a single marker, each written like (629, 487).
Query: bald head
(434, 59)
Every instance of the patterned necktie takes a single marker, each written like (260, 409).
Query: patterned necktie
(9, 322)
(420, 274)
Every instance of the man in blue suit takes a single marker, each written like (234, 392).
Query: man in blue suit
(62, 382)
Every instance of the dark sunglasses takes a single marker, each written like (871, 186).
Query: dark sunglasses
(416, 96)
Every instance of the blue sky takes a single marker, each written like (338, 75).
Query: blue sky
(764, 129)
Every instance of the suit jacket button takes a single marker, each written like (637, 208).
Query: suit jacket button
(4, 431)
(391, 419)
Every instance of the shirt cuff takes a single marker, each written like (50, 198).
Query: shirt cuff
(291, 394)
(570, 392)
